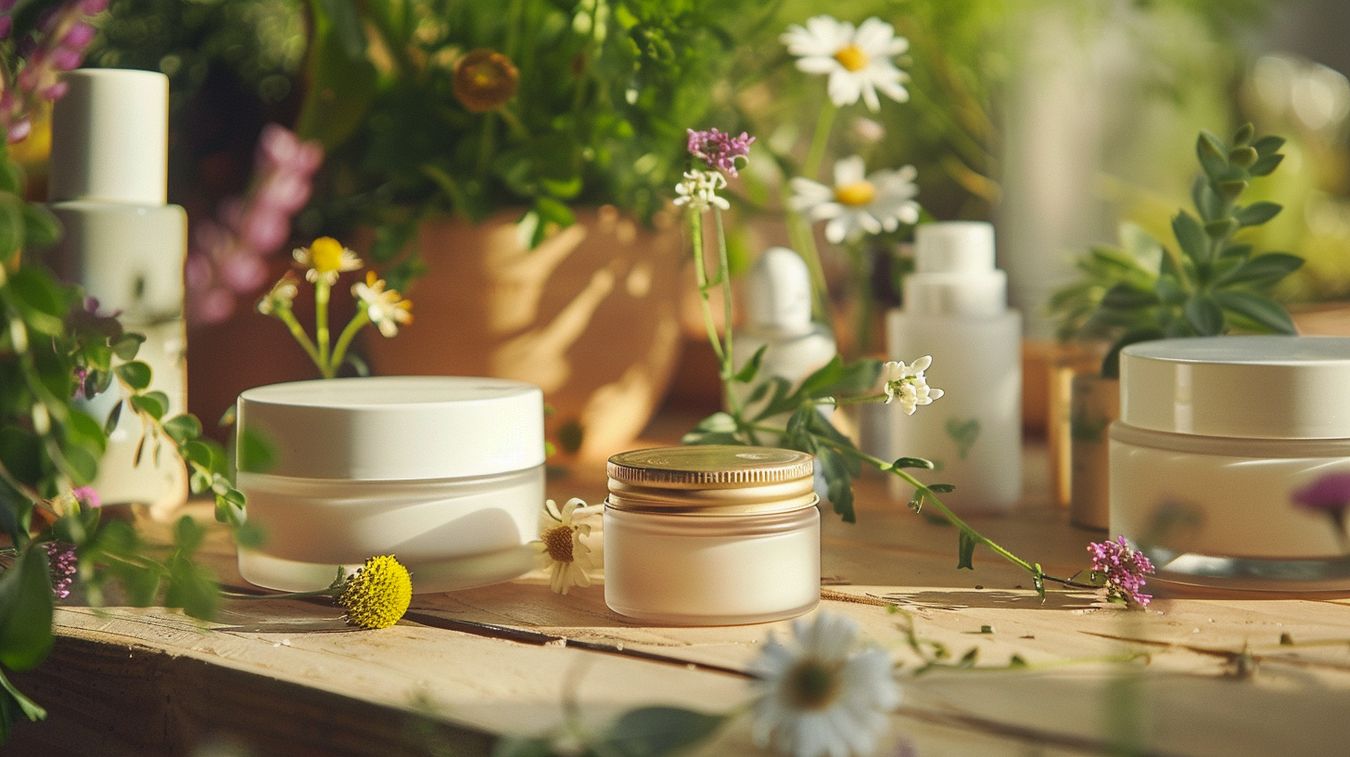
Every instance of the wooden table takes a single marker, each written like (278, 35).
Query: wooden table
(287, 677)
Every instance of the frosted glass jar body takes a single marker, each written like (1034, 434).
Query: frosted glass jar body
(712, 570)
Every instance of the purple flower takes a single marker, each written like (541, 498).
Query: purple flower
(58, 44)
(87, 496)
(719, 149)
(1330, 496)
(1123, 570)
(62, 564)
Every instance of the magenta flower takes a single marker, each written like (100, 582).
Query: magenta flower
(1330, 496)
(87, 496)
(62, 564)
(719, 149)
(58, 44)
(1122, 569)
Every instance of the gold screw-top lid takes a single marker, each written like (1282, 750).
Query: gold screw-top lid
(712, 479)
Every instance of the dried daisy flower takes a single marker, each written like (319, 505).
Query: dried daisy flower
(377, 594)
(560, 548)
(485, 80)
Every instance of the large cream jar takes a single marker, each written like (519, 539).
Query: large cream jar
(445, 473)
(711, 535)
(1215, 436)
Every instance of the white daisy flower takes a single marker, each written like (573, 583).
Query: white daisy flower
(385, 307)
(324, 259)
(699, 190)
(907, 384)
(280, 296)
(858, 203)
(560, 548)
(821, 692)
(858, 61)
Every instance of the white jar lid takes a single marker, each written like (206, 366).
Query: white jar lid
(397, 427)
(1256, 387)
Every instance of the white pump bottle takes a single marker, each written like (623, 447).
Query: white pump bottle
(955, 309)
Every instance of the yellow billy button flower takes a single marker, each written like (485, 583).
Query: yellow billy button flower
(324, 259)
(560, 549)
(385, 307)
(377, 594)
(485, 80)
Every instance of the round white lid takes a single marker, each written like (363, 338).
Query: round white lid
(1256, 387)
(392, 428)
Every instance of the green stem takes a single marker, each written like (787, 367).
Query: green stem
(804, 242)
(863, 283)
(819, 140)
(321, 291)
(328, 592)
(345, 338)
(863, 399)
(701, 275)
(486, 145)
(287, 317)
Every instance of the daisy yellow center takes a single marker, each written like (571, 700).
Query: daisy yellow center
(812, 685)
(857, 193)
(558, 543)
(325, 255)
(851, 57)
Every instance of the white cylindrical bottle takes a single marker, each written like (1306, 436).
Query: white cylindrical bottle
(955, 309)
(778, 319)
(126, 247)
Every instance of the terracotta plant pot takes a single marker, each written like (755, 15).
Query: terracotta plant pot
(590, 316)
(1095, 404)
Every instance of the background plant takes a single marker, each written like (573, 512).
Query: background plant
(1209, 283)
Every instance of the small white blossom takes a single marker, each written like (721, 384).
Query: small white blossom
(907, 384)
(699, 190)
(858, 61)
(386, 308)
(280, 297)
(560, 549)
(822, 692)
(858, 203)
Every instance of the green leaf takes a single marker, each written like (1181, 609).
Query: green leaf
(1257, 213)
(81, 464)
(658, 731)
(41, 229)
(1204, 315)
(1266, 166)
(1207, 201)
(912, 462)
(1264, 270)
(26, 611)
(965, 553)
(127, 345)
(941, 488)
(1212, 155)
(191, 587)
(554, 212)
(135, 374)
(1126, 297)
(1220, 228)
(257, 454)
(1242, 156)
(340, 86)
(11, 225)
(41, 300)
(1267, 146)
(1265, 312)
(515, 746)
(153, 404)
(748, 371)
(1191, 237)
(27, 707)
(114, 416)
(183, 428)
(838, 481)
(1111, 364)
(1244, 134)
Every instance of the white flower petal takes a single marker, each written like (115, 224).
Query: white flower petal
(850, 170)
(844, 87)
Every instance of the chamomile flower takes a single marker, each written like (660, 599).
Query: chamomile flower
(324, 259)
(280, 297)
(857, 60)
(907, 384)
(858, 203)
(485, 80)
(560, 548)
(699, 190)
(386, 308)
(377, 594)
(822, 692)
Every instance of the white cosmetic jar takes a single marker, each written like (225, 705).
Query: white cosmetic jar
(445, 473)
(711, 535)
(1215, 436)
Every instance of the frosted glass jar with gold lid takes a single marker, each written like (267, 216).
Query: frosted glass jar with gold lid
(1215, 437)
(711, 535)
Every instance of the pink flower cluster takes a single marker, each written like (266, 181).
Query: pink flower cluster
(719, 149)
(58, 44)
(62, 564)
(1124, 569)
(227, 253)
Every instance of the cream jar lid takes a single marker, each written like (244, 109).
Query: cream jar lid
(711, 480)
(397, 428)
(1256, 387)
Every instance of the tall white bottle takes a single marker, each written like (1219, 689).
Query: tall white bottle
(126, 247)
(955, 309)
(778, 318)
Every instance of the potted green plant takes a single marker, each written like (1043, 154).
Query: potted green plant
(1206, 284)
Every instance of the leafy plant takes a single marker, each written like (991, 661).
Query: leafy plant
(1209, 283)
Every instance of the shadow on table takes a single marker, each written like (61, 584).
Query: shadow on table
(962, 599)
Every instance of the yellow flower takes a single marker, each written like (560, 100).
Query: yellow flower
(385, 307)
(485, 80)
(560, 548)
(377, 594)
(324, 259)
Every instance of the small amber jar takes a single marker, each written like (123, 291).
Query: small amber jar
(711, 535)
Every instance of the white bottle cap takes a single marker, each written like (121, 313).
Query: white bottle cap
(778, 293)
(954, 271)
(110, 137)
